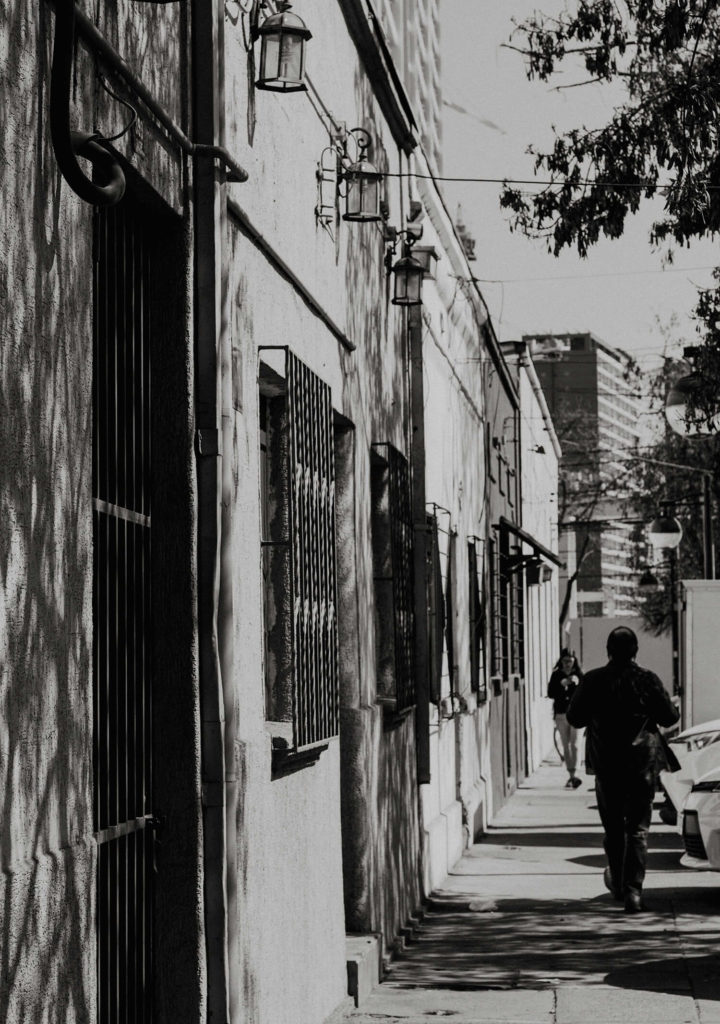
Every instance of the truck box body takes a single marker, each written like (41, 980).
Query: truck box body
(699, 602)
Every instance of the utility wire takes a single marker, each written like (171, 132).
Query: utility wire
(583, 183)
(589, 277)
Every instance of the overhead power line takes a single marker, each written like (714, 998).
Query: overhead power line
(582, 277)
(584, 183)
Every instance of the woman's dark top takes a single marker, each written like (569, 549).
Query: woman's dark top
(560, 694)
(615, 702)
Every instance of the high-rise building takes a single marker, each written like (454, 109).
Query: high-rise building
(592, 392)
(412, 30)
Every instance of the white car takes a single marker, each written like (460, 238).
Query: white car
(698, 751)
(701, 824)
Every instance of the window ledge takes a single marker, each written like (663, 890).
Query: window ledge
(287, 761)
(394, 718)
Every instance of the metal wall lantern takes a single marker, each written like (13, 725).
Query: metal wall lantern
(282, 51)
(408, 273)
(362, 183)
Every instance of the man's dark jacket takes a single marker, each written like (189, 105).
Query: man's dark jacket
(614, 703)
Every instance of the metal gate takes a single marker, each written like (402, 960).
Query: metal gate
(122, 769)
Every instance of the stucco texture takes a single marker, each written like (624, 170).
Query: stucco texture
(47, 850)
(45, 553)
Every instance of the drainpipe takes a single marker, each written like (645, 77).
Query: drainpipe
(213, 482)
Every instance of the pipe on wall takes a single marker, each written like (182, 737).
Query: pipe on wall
(67, 144)
(214, 497)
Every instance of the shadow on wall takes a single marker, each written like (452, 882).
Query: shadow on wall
(398, 829)
(379, 380)
(45, 551)
(380, 817)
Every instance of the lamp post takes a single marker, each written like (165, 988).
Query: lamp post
(665, 532)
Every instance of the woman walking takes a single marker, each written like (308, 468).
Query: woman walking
(563, 683)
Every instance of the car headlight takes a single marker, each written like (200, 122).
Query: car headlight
(709, 786)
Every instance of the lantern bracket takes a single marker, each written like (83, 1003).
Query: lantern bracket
(394, 236)
(362, 143)
(254, 8)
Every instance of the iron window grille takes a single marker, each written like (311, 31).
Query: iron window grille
(478, 682)
(435, 609)
(392, 543)
(517, 623)
(507, 609)
(495, 599)
(450, 613)
(122, 671)
(299, 567)
(504, 618)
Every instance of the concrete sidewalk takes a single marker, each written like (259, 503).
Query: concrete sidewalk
(523, 929)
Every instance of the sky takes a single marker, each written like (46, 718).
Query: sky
(620, 291)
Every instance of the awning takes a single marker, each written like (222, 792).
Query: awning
(523, 535)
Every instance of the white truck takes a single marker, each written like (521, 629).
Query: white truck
(699, 651)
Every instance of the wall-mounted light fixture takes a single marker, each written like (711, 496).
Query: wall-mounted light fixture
(362, 181)
(408, 273)
(282, 50)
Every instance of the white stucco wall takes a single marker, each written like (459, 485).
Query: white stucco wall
(47, 847)
(539, 519)
(454, 801)
(290, 909)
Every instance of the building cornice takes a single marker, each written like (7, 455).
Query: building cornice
(437, 210)
(366, 33)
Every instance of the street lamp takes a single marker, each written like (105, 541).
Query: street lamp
(648, 582)
(686, 391)
(676, 408)
(665, 531)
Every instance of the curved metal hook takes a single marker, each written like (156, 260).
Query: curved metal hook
(67, 145)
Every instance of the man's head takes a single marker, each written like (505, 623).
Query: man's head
(622, 644)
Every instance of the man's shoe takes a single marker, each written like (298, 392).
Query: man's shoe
(576, 782)
(633, 903)
(607, 878)
(570, 784)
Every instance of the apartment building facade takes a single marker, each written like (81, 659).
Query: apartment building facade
(594, 398)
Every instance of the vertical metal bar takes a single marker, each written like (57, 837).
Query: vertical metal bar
(707, 530)
(314, 536)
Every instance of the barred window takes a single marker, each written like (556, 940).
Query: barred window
(495, 602)
(504, 616)
(478, 682)
(297, 483)
(392, 545)
(517, 623)
(435, 609)
(450, 612)
(507, 600)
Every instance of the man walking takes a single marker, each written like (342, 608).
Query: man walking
(622, 705)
